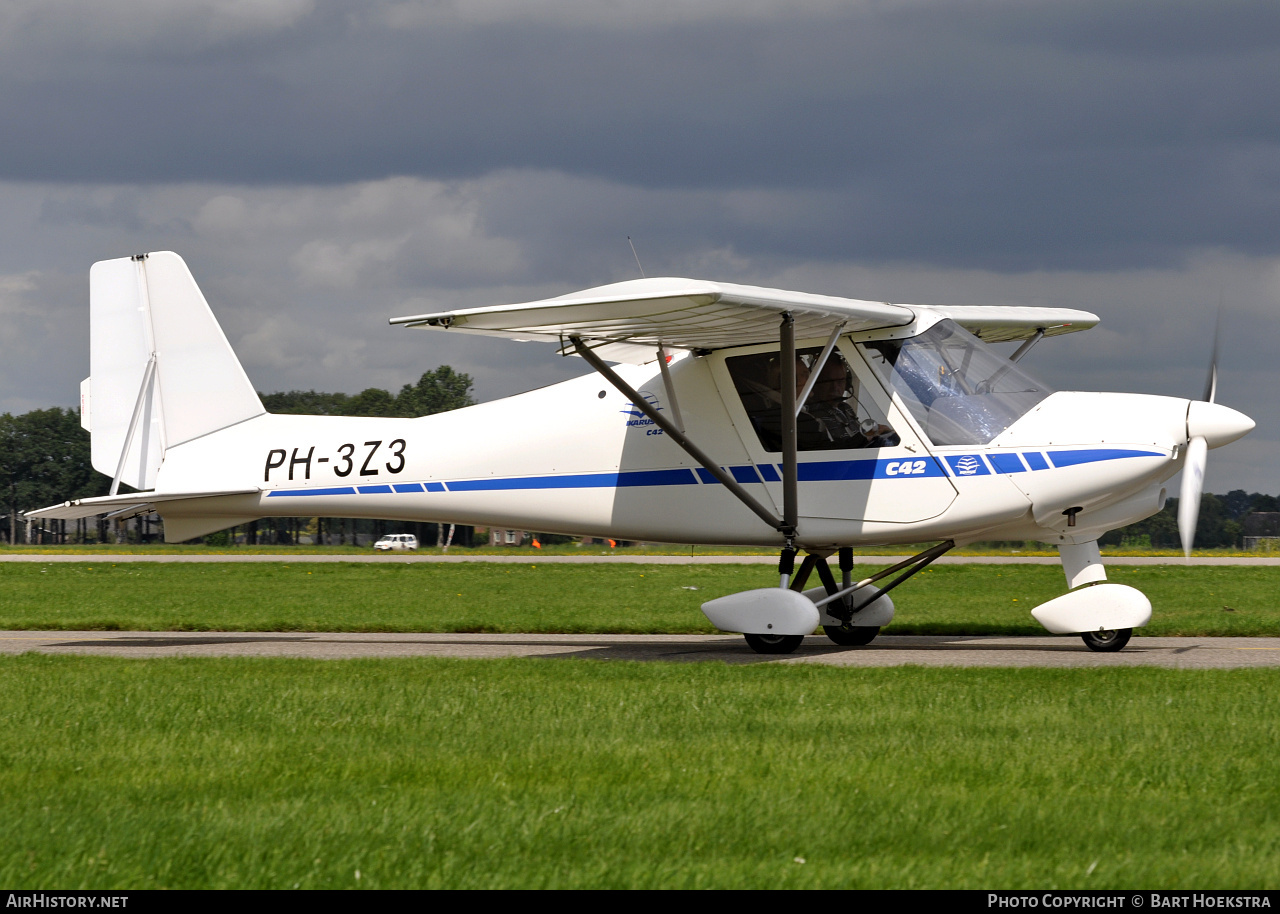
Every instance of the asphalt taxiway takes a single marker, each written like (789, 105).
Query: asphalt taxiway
(887, 650)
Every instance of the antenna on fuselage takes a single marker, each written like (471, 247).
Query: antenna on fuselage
(636, 256)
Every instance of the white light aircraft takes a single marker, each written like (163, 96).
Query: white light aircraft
(716, 414)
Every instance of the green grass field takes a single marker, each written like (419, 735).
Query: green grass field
(244, 773)
(947, 599)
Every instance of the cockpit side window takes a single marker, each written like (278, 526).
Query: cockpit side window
(836, 415)
(958, 388)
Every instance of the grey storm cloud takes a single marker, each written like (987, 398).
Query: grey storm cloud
(1016, 135)
(323, 166)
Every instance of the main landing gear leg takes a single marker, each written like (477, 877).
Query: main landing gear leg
(847, 604)
(785, 644)
(781, 644)
(845, 634)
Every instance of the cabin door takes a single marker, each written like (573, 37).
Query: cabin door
(859, 458)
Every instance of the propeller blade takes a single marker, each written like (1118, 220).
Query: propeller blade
(1192, 488)
(1211, 383)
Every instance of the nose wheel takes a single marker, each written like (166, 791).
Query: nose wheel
(1107, 641)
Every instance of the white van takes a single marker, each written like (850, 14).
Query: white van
(396, 541)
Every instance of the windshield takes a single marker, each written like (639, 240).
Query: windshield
(958, 388)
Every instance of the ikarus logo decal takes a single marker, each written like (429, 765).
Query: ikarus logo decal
(968, 465)
(638, 418)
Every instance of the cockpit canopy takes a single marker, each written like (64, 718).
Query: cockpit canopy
(958, 388)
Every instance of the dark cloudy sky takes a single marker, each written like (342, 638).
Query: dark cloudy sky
(323, 166)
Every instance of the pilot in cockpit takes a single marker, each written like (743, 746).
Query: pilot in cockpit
(833, 405)
(829, 418)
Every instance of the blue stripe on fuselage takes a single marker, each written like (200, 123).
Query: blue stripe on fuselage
(1096, 455)
(624, 480)
(1035, 460)
(810, 471)
(836, 470)
(1006, 463)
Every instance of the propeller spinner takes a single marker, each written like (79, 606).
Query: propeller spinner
(1209, 425)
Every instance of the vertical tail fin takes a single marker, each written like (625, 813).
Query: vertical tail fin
(161, 370)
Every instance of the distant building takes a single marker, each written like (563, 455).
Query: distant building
(1262, 523)
(1261, 531)
(507, 537)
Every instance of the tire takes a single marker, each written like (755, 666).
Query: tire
(1107, 641)
(773, 644)
(851, 635)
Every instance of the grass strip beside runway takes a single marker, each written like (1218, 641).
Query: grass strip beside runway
(951, 599)
(237, 773)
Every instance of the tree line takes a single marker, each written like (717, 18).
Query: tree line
(44, 459)
(1221, 523)
(437, 391)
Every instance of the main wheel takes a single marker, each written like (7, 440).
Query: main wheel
(851, 635)
(774, 644)
(1107, 641)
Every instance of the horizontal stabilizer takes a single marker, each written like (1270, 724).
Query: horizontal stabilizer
(127, 505)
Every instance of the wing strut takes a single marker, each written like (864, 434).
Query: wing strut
(666, 382)
(790, 498)
(1026, 346)
(816, 370)
(681, 439)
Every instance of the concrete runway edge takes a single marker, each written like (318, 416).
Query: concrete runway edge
(887, 650)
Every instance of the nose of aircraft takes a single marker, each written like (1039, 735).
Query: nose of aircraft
(1216, 424)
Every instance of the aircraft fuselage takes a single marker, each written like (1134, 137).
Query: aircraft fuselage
(578, 458)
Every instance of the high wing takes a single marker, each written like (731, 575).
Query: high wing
(125, 505)
(1005, 323)
(678, 313)
(626, 321)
